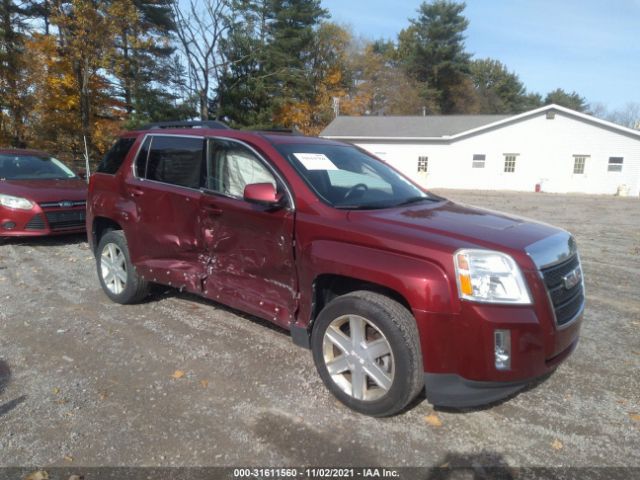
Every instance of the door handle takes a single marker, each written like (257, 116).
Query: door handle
(212, 210)
(136, 192)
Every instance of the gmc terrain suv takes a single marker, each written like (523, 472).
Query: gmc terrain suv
(394, 289)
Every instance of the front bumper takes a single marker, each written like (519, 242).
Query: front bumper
(39, 222)
(454, 391)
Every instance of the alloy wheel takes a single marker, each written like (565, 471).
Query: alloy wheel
(358, 357)
(113, 268)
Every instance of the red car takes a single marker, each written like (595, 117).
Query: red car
(394, 289)
(39, 195)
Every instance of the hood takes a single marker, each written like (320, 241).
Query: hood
(46, 190)
(457, 226)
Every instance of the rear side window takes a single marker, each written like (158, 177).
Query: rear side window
(177, 161)
(115, 156)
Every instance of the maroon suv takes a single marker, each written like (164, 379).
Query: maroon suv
(394, 289)
(39, 195)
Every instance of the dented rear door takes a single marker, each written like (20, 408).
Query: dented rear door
(166, 188)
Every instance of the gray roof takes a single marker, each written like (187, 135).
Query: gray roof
(432, 126)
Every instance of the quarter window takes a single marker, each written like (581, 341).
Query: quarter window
(478, 161)
(115, 156)
(177, 161)
(510, 163)
(231, 166)
(141, 159)
(579, 162)
(423, 164)
(615, 164)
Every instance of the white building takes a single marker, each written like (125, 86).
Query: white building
(555, 147)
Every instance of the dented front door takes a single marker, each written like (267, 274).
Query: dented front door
(247, 248)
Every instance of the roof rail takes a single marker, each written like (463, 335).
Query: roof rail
(213, 124)
(281, 131)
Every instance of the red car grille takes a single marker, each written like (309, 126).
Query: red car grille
(64, 219)
(36, 223)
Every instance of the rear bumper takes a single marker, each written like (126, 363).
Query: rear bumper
(454, 391)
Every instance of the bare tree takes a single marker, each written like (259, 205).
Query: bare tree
(201, 26)
(629, 115)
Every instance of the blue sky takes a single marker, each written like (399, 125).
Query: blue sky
(590, 46)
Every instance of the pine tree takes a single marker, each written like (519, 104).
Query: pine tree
(142, 58)
(434, 54)
(14, 94)
(270, 52)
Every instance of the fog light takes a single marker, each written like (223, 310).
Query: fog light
(8, 225)
(502, 349)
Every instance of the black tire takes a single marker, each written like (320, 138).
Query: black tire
(135, 288)
(386, 319)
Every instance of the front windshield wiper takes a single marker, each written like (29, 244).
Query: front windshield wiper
(361, 207)
(413, 200)
(378, 206)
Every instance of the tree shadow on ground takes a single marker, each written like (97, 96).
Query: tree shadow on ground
(49, 241)
(5, 378)
(476, 466)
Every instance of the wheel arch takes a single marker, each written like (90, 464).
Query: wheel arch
(100, 226)
(331, 268)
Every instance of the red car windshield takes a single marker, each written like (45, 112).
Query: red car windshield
(32, 167)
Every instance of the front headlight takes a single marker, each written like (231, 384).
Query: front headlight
(491, 277)
(18, 203)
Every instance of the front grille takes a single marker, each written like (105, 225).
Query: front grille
(567, 302)
(64, 204)
(64, 219)
(36, 223)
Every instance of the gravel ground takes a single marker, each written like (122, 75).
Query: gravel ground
(87, 382)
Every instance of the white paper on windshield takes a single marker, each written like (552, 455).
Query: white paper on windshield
(315, 161)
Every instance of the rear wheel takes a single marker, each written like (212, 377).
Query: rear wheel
(366, 349)
(117, 274)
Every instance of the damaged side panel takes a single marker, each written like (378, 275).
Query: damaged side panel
(248, 257)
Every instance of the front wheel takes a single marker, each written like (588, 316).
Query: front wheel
(117, 274)
(366, 349)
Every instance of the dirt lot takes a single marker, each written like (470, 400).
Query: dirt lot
(86, 382)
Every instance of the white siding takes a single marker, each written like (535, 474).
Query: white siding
(545, 148)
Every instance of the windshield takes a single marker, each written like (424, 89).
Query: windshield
(348, 178)
(32, 167)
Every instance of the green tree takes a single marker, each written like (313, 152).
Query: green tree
(433, 52)
(270, 53)
(142, 59)
(243, 93)
(500, 90)
(290, 49)
(381, 86)
(570, 100)
(14, 91)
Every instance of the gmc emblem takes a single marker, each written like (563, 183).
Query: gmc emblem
(572, 278)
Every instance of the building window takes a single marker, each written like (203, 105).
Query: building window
(579, 162)
(478, 161)
(510, 163)
(423, 164)
(615, 164)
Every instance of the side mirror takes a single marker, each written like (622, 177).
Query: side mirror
(262, 194)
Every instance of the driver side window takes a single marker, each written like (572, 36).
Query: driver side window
(231, 166)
